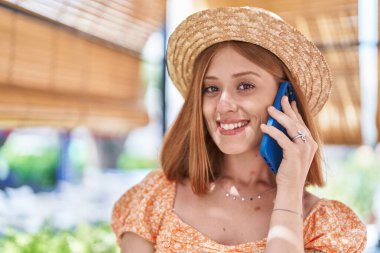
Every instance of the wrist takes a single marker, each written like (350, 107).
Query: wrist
(288, 211)
(289, 199)
(290, 192)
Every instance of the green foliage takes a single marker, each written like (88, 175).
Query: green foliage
(35, 168)
(129, 162)
(83, 239)
(353, 180)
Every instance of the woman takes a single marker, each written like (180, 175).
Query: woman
(215, 192)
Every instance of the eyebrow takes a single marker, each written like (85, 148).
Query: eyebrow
(236, 75)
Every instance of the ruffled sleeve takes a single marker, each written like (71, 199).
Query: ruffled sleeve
(334, 227)
(140, 210)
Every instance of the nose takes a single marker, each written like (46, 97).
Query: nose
(226, 103)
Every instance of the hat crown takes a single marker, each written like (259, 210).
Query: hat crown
(253, 25)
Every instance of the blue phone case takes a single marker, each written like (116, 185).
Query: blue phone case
(269, 149)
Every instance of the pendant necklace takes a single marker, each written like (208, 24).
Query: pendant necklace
(247, 198)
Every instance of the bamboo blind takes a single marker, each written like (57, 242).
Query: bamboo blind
(52, 77)
(127, 23)
(333, 27)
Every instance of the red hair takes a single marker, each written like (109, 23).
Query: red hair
(188, 150)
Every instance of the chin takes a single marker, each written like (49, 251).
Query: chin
(234, 149)
(237, 146)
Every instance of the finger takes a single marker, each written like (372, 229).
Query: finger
(289, 124)
(288, 110)
(299, 138)
(277, 135)
(295, 109)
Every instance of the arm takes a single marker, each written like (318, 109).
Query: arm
(286, 226)
(132, 242)
(136, 216)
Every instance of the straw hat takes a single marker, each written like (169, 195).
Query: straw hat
(254, 25)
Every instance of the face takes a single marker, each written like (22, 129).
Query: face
(236, 94)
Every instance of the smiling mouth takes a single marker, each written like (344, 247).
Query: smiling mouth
(232, 126)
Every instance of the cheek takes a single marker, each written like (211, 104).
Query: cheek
(259, 107)
(259, 110)
(208, 112)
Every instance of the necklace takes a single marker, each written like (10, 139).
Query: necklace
(249, 198)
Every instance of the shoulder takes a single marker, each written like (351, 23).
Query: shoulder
(309, 202)
(155, 179)
(332, 226)
(141, 208)
(154, 187)
(335, 212)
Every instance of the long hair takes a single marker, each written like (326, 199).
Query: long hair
(188, 150)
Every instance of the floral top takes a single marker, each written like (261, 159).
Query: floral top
(146, 209)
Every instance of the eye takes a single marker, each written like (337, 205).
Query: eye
(245, 86)
(210, 89)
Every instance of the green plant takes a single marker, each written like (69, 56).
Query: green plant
(127, 161)
(353, 180)
(83, 239)
(33, 168)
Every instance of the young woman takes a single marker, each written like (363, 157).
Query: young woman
(215, 192)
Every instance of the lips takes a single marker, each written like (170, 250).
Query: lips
(232, 127)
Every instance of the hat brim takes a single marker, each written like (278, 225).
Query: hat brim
(257, 26)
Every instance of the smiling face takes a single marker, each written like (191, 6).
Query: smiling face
(236, 94)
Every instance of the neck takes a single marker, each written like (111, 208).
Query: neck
(247, 171)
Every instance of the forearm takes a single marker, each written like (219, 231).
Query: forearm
(286, 228)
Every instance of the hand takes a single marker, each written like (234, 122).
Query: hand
(297, 154)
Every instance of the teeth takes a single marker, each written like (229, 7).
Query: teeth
(233, 126)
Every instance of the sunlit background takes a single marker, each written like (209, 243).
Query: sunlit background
(85, 101)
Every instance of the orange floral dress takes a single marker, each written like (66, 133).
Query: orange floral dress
(146, 209)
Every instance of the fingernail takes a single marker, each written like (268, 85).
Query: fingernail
(263, 125)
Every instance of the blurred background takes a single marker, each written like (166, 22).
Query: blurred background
(85, 100)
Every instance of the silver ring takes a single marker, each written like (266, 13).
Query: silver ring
(301, 135)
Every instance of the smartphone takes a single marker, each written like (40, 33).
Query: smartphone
(269, 149)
